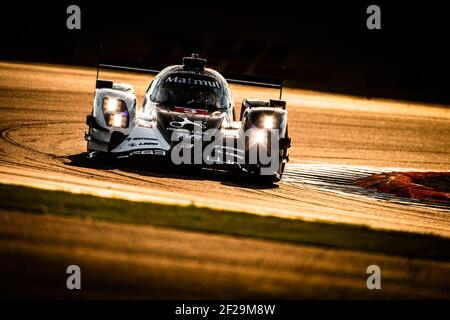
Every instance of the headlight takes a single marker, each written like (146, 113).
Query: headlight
(119, 120)
(112, 105)
(115, 112)
(268, 122)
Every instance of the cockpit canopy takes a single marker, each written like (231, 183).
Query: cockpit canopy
(185, 88)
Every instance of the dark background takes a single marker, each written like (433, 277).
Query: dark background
(315, 45)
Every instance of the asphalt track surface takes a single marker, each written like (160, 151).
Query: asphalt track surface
(335, 138)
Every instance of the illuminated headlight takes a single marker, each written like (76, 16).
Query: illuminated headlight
(115, 112)
(260, 136)
(113, 105)
(268, 122)
(119, 120)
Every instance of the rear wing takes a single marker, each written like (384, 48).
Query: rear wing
(255, 81)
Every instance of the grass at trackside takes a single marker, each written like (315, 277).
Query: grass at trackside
(30, 200)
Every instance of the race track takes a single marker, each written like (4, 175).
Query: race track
(43, 110)
(335, 139)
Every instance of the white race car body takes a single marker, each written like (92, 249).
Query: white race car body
(187, 107)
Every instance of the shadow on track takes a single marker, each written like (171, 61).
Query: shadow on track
(160, 168)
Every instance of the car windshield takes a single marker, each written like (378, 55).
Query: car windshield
(190, 90)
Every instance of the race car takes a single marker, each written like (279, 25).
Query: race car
(188, 117)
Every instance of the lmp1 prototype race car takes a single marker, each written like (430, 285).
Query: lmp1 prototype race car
(188, 117)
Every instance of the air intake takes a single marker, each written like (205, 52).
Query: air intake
(194, 62)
